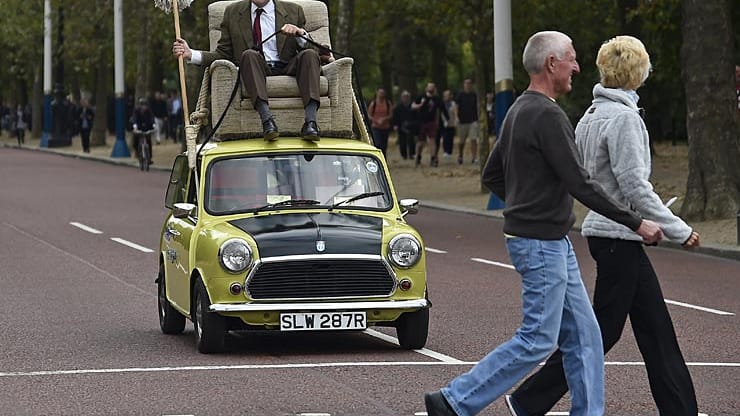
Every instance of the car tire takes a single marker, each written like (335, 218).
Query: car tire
(210, 327)
(412, 329)
(170, 320)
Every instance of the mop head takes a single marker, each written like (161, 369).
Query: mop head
(166, 5)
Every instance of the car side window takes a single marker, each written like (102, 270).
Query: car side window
(177, 188)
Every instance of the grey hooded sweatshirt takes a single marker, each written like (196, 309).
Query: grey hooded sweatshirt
(614, 148)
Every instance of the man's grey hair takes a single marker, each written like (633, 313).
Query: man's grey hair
(540, 46)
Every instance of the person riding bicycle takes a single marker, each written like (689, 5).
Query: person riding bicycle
(143, 124)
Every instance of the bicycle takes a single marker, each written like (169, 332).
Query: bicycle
(144, 148)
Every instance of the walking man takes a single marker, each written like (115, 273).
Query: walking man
(534, 167)
(467, 114)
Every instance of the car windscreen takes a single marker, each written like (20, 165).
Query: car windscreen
(296, 181)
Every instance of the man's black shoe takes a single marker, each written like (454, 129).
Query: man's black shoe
(310, 131)
(270, 130)
(437, 405)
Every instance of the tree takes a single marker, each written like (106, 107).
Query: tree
(345, 25)
(713, 188)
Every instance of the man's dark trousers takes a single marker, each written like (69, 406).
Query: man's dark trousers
(306, 67)
(626, 284)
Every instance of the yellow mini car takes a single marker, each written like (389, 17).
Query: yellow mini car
(289, 236)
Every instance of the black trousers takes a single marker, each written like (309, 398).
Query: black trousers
(85, 138)
(626, 285)
(406, 143)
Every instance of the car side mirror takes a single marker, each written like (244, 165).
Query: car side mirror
(409, 206)
(183, 209)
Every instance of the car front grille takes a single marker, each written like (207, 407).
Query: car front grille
(320, 279)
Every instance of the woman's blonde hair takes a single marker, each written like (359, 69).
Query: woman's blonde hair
(623, 62)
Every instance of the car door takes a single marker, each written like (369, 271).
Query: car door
(177, 235)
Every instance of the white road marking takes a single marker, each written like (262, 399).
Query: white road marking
(222, 368)
(81, 260)
(434, 250)
(494, 263)
(429, 353)
(84, 227)
(132, 245)
(699, 308)
(668, 301)
(692, 364)
(281, 366)
(566, 414)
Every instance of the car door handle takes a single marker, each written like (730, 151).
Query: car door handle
(172, 231)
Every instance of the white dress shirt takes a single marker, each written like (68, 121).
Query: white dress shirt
(267, 24)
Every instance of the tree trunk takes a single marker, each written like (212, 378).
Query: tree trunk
(37, 100)
(401, 49)
(142, 52)
(345, 25)
(439, 63)
(713, 187)
(102, 91)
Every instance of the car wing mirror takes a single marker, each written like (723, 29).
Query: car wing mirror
(183, 209)
(409, 206)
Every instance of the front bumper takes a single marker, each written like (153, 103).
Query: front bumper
(315, 306)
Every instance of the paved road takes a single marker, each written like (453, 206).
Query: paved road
(80, 336)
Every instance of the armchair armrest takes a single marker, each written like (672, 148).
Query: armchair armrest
(339, 75)
(223, 76)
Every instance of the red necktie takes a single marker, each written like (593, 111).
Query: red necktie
(257, 30)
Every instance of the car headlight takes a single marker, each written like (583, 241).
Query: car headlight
(404, 251)
(235, 255)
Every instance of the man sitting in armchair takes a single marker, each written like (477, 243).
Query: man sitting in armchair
(245, 25)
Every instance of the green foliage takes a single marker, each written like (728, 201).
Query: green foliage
(396, 44)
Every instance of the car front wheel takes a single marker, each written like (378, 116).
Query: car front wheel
(210, 327)
(412, 329)
(170, 320)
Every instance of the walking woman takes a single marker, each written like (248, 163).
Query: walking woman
(380, 111)
(614, 148)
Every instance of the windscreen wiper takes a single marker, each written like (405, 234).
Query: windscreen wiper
(287, 203)
(356, 198)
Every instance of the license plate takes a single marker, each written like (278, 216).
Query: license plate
(322, 321)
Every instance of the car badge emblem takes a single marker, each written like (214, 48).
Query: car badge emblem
(320, 245)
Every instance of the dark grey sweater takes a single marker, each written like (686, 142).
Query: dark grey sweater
(534, 167)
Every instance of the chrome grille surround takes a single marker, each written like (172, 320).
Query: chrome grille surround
(316, 277)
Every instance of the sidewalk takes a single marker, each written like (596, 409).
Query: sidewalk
(450, 187)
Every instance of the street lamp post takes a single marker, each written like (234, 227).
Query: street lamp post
(503, 71)
(47, 75)
(119, 148)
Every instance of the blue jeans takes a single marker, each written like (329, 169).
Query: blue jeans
(555, 312)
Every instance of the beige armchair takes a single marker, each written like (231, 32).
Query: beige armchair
(335, 114)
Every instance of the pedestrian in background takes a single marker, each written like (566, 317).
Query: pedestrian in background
(467, 110)
(491, 113)
(159, 109)
(534, 167)
(380, 111)
(449, 123)
(427, 107)
(615, 150)
(405, 124)
(20, 123)
(85, 118)
(175, 119)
